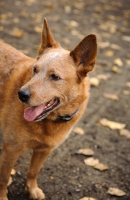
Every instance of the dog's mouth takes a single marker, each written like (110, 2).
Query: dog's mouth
(37, 113)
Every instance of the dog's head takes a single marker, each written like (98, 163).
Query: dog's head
(59, 76)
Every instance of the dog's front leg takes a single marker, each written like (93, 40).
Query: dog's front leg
(38, 157)
(7, 161)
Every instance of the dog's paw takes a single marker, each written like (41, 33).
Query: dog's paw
(36, 193)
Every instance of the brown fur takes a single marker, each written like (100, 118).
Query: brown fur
(16, 73)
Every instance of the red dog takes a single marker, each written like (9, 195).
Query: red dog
(53, 93)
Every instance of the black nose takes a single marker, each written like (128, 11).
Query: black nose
(24, 95)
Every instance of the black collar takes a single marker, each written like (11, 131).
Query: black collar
(66, 118)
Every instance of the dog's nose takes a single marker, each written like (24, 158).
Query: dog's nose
(24, 95)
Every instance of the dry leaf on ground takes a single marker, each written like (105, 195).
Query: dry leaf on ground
(125, 132)
(116, 70)
(128, 62)
(78, 130)
(111, 96)
(73, 23)
(126, 38)
(86, 152)
(94, 81)
(103, 76)
(118, 62)
(116, 192)
(76, 33)
(51, 177)
(111, 124)
(109, 53)
(128, 84)
(67, 9)
(87, 198)
(91, 161)
(17, 32)
(115, 47)
(126, 92)
(66, 41)
(101, 167)
(104, 45)
(38, 29)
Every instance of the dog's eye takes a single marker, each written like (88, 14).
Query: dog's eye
(34, 69)
(54, 77)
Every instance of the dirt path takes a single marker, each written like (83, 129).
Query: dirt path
(64, 175)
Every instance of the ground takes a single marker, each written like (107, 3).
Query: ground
(64, 175)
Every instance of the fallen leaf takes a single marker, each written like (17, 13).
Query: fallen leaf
(116, 70)
(16, 20)
(67, 9)
(118, 62)
(100, 167)
(78, 130)
(103, 27)
(126, 92)
(51, 177)
(128, 84)
(77, 33)
(94, 81)
(87, 198)
(111, 124)
(115, 47)
(50, 6)
(13, 172)
(128, 62)
(17, 32)
(109, 53)
(10, 181)
(91, 161)
(125, 132)
(126, 38)
(38, 29)
(73, 23)
(86, 152)
(116, 192)
(112, 28)
(66, 41)
(103, 76)
(104, 45)
(24, 13)
(111, 96)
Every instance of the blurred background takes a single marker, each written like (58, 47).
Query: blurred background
(105, 127)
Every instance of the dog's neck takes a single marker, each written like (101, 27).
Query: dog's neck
(66, 118)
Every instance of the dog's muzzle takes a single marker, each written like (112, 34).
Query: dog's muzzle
(24, 95)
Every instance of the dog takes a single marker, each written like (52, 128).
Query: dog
(41, 100)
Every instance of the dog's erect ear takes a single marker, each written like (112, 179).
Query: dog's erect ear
(84, 55)
(47, 38)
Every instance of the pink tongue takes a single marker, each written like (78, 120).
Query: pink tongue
(32, 112)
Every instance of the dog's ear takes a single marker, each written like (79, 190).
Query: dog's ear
(47, 40)
(84, 55)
